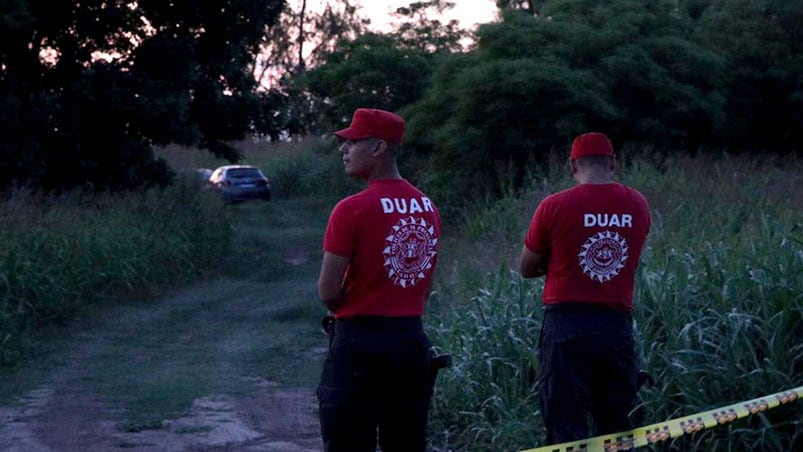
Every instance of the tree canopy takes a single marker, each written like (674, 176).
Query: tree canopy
(86, 88)
(378, 70)
(761, 44)
(303, 38)
(535, 82)
(652, 74)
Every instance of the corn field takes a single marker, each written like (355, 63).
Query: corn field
(719, 307)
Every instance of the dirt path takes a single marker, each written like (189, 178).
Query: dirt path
(229, 363)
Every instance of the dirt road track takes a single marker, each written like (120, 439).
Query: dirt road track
(225, 364)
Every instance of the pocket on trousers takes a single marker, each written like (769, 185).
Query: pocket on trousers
(331, 395)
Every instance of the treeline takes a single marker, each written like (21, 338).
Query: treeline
(87, 88)
(692, 75)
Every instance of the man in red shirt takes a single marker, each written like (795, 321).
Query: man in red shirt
(587, 241)
(380, 250)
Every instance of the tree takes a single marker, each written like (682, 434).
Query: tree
(482, 122)
(86, 88)
(530, 6)
(421, 29)
(761, 43)
(374, 70)
(302, 39)
(380, 70)
(535, 81)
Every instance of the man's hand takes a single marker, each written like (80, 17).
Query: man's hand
(332, 304)
(532, 265)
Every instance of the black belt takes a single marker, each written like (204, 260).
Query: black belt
(578, 306)
(379, 323)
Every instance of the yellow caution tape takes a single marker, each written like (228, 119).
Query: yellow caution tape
(675, 428)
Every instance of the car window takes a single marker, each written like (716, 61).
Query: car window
(240, 173)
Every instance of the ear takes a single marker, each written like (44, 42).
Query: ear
(573, 165)
(380, 148)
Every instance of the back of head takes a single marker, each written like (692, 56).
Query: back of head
(594, 161)
(592, 158)
(591, 144)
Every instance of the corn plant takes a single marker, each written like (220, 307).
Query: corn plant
(719, 307)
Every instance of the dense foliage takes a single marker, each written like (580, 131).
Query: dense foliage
(378, 70)
(87, 87)
(650, 74)
(761, 44)
(371, 70)
(59, 254)
(718, 307)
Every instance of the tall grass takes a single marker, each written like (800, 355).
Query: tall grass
(719, 307)
(719, 296)
(61, 253)
(311, 168)
(308, 168)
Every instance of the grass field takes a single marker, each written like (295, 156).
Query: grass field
(719, 297)
(60, 254)
(230, 359)
(719, 294)
(719, 306)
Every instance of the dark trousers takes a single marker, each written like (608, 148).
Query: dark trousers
(376, 384)
(588, 369)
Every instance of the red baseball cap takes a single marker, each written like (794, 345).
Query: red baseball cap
(369, 122)
(592, 143)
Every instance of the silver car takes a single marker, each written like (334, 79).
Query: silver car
(237, 183)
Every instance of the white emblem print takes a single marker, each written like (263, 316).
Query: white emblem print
(409, 251)
(603, 255)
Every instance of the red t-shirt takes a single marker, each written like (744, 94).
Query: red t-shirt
(391, 233)
(593, 236)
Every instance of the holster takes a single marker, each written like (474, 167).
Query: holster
(436, 363)
(328, 325)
